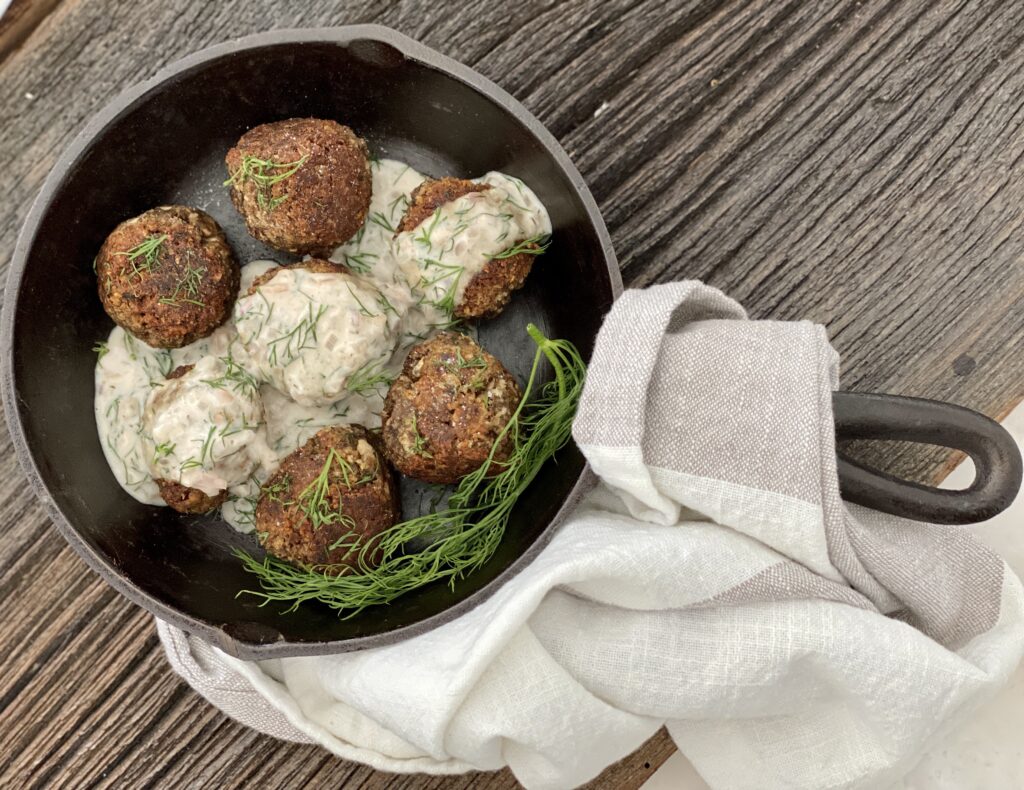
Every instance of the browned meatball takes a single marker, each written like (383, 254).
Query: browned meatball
(332, 493)
(489, 291)
(189, 500)
(302, 185)
(445, 411)
(183, 498)
(168, 276)
(317, 265)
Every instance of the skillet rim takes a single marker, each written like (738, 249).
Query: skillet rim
(98, 123)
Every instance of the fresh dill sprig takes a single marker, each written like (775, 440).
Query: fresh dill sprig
(532, 246)
(145, 256)
(187, 288)
(360, 262)
(478, 382)
(377, 218)
(161, 450)
(461, 363)
(385, 305)
(235, 377)
(297, 338)
(264, 173)
(426, 231)
(401, 202)
(370, 377)
(315, 499)
(445, 281)
(205, 452)
(245, 506)
(419, 441)
(362, 307)
(101, 349)
(273, 492)
(462, 537)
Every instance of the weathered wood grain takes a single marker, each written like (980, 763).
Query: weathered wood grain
(18, 22)
(860, 164)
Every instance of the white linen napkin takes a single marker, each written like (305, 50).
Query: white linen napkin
(713, 582)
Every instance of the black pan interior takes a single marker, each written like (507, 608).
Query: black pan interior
(168, 146)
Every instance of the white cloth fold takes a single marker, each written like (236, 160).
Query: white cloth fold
(714, 582)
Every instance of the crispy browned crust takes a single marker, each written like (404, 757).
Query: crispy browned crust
(442, 418)
(311, 265)
(284, 528)
(489, 292)
(431, 195)
(189, 500)
(151, 303)
(328, 197)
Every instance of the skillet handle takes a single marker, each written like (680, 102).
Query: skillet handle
(997, 459)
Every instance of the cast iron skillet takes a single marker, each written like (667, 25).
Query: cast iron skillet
(164, 142)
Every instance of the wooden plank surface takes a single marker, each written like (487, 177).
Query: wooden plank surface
(18, 22)
(855, 163)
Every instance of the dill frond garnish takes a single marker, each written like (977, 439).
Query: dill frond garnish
(385, 305)
(532, 246)
(245, 507)
(377, 218)
(426, 231)
(419, 441)
(444, 279)
(461, 363)
(360, 262)
(363, 309)
(370, 377)
(315, 499)
(101, 349)
(264, 173)
(273, 492)
(205, 452)
(161, 450)
(297, 338)
(464, 535)
(187, 288)
(235, 377)
(402, 202)
(145, 256)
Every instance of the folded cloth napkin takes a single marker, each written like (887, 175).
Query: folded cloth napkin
(714, 582)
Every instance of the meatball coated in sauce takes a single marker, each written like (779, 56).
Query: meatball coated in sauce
(334, 492)
(315, 265)
(445, 411)
(182, 498)
(315, 331)
(490, 290)
(302, 185)
(168, 276)
(206, 426)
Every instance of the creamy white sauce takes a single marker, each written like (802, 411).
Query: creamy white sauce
(442, 255)
(125, 374)
(306, 384)
(364, 253)
(314, 335)
(369, 253)
(205, 429)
